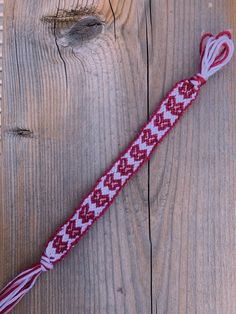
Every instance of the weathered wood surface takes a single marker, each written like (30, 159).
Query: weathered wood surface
(1, 41)
(167, 245)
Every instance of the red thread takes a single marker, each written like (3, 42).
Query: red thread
(162, 123)
(187, 89)
(123, 167)
(174, 107)
(111, 182)
(137, 153)
(85, 215)
(72, 230)
(59, 244)
(149, 138)
(98, 198)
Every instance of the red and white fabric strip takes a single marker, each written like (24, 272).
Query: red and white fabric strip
(216, 52)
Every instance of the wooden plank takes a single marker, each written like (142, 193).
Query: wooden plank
(1, 42)
(167, 244)
(192, 175)
(67, 114)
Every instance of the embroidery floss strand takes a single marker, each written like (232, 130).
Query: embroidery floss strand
(215, 52)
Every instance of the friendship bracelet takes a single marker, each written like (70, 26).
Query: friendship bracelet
(215, 52)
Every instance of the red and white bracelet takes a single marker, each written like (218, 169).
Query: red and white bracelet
(215, 52)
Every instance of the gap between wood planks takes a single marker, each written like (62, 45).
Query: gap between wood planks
(148, 25)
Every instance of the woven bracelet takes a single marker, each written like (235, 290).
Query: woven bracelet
(215, 52)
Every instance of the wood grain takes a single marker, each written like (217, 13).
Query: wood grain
(1, 42)
(168, 243)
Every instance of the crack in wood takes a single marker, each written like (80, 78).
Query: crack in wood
(148, 22)
(64, 16)
(23, 132)
(59, 51)
(114, 18)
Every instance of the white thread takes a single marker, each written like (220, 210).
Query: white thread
(45, 263)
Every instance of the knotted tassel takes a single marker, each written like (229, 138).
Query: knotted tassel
(216, 52)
